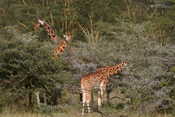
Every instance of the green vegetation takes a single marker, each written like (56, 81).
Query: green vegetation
(105, 32)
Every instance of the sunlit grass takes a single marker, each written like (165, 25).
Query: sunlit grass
(22, 115)
(73, 113)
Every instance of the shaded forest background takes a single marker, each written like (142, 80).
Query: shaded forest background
(105, 32)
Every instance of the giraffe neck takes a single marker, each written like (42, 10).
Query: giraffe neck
(50, 32)
(48, 29)
(111, 70)
(115, 69)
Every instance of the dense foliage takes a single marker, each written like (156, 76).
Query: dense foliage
(27, 65)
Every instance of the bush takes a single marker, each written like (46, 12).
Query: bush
(26, 66)
(146, 79)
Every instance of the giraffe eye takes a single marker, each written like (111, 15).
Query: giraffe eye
(48, 28)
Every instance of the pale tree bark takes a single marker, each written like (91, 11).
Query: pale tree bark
(37, 93)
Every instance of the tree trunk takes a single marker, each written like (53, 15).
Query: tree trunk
(108, 92)
(30, 102)
(37, 98)
(45, 98)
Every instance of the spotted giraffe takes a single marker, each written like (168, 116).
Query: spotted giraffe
(62, 44)
(48, 29)
(59, 49)
(108, 71)
(100, 78)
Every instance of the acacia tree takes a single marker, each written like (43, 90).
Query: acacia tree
(26, 66)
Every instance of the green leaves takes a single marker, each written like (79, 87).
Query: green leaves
(28, 66)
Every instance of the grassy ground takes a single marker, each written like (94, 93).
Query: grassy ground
(73, 113)
(79, 115)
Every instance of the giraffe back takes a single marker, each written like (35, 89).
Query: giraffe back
(92, 80)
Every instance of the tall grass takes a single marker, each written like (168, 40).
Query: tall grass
(91, 34)
(23, 115)
(76, 113)
(79, 115)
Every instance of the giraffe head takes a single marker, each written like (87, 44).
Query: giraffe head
(124, 64)
(68, 36)
(41, 21)
(121, 65)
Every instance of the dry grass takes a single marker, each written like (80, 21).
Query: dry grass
(73, 113)
(91, 34)
(22, 115)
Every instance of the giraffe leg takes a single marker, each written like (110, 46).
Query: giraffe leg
(99, 99)
(84, 102)
(102, 95)
(103, 89)
(88, 101)
(83, 109)
(88, 107)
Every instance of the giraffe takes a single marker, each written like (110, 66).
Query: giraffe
(108, 71)
(100, 78)
(48, 29)
(62, 44)
(59, 49)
